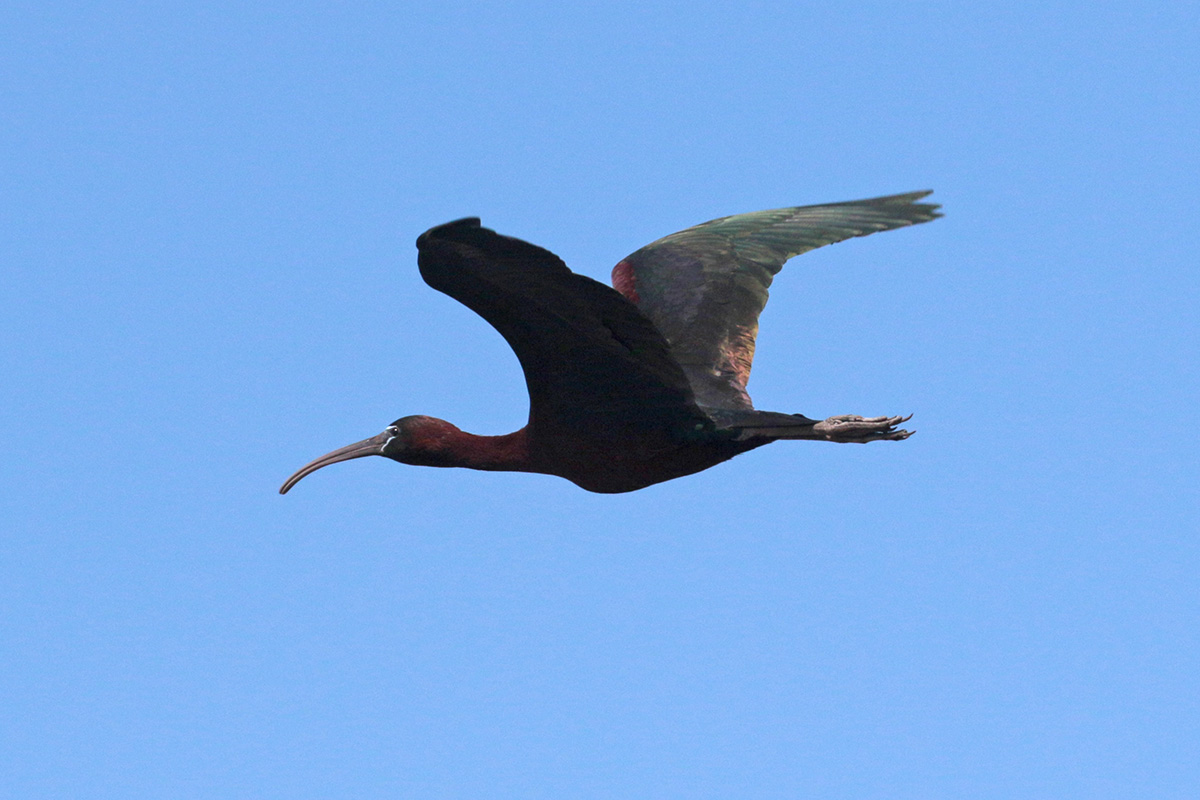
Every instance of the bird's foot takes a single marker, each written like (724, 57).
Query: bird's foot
(853, 428)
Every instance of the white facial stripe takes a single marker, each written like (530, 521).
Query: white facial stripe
(392, 429)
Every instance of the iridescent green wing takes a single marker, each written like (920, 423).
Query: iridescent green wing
(704, 287)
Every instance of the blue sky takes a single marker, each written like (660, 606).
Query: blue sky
(206, 235)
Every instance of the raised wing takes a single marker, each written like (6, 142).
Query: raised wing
(704, 287)
(592, 361)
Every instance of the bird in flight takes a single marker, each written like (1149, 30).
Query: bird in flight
(644, 382)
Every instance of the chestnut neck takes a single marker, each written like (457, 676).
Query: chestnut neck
(440, 444)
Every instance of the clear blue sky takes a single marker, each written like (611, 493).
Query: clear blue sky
(206, 234)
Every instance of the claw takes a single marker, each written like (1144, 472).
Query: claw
(853, 428)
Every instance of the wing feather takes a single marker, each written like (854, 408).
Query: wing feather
(592, 360)
(704, 287)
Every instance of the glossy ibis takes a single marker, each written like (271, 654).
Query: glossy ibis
(639, 384)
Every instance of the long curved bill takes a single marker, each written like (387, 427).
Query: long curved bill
(367, 447)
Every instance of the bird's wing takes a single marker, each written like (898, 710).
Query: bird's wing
(704, 287)
(592, 361)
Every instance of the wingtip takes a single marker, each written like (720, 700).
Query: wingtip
(911, 198)
(907, 197)
(447, 229)
(932, 208)
(904, 203)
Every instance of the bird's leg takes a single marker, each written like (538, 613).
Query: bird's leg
(853, 428)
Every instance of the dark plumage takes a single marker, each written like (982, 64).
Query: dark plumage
(645, 383)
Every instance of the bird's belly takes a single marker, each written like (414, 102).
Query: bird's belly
(608, 469)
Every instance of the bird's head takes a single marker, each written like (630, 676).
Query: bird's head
(409, 440)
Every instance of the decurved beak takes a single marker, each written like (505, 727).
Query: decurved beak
(367, 447)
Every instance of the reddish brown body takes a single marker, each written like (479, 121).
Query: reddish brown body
(609, 466)
(643, 383)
